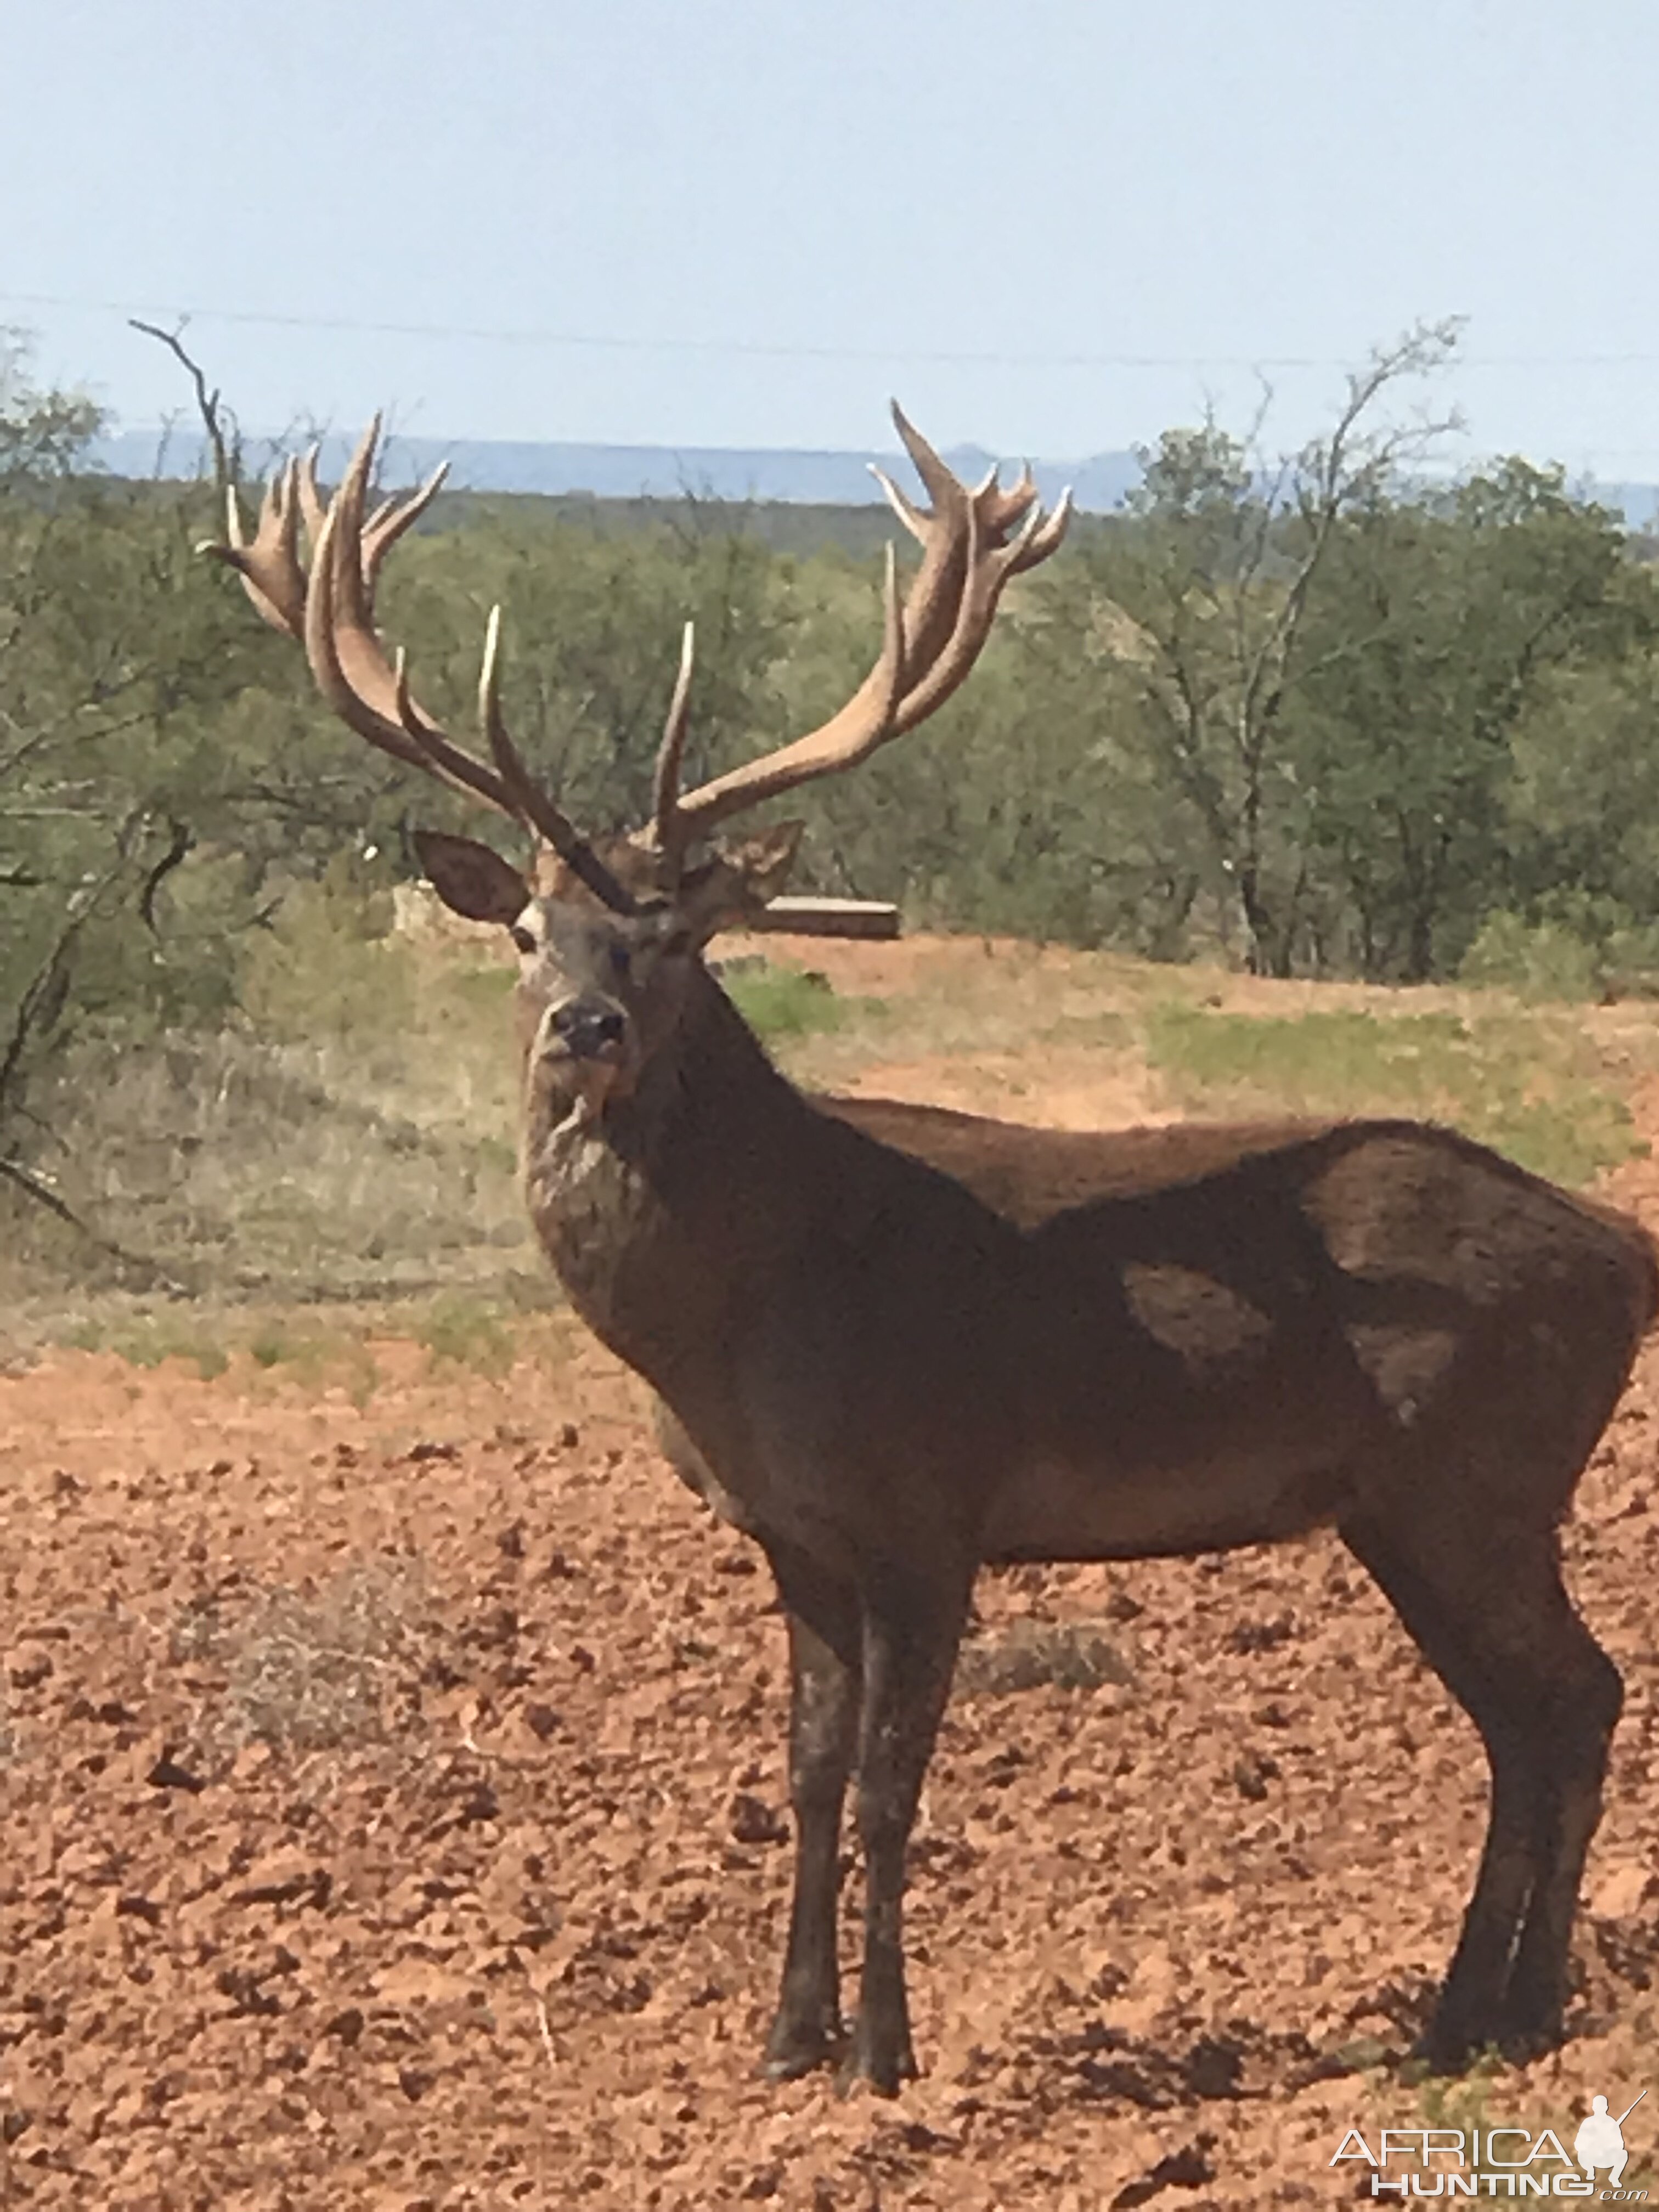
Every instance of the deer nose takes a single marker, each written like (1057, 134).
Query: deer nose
(587, 1030)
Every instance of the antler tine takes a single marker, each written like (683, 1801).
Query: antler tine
(671, 754)
(968, 558)
(339, 685)
(901, 504)
(349, 665)
(989, 571)
(866, 721)
(941, 484)
(269, 567)
(935, 596)
(998, 506)
(1046, 538)
(342, 645)
(311, 499)
(1002, 506)
(531, 802)
(391, 518)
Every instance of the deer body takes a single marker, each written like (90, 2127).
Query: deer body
(1150, 1348)
(1135, 1348)
(897, 1342)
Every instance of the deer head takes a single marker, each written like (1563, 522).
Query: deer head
(608, 943)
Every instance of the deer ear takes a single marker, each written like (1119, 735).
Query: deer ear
(764, 862)
(472, 879)
(725, 892)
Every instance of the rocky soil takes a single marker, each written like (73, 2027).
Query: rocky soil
(392, 1815)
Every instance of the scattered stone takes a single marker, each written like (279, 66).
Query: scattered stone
(167, 1773)
(750, 1820)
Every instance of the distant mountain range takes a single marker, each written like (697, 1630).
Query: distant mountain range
(721, 472)
(783, 476)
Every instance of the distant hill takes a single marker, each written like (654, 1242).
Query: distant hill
(820, 479)
(783, 477)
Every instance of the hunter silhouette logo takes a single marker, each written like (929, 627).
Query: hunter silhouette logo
(1600, 2141)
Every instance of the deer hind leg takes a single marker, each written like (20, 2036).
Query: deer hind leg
(911, 1630)
(825, 1686)
(1583, 1703)
(1490, 1616)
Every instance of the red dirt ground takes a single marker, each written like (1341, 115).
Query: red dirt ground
(394, 1804)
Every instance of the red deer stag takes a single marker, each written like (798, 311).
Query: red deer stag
(902, 1342)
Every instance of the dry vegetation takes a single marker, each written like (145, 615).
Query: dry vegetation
(341, 1157)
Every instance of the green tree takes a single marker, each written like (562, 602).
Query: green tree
(115, 664)
(1441, 618)
(1213, 593)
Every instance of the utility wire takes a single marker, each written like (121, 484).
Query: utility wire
(757, 349)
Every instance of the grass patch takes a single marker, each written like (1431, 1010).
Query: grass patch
(147, 1340)
(1530, 1084)
(314, 1668)
(782, 1004)
(373, 1157)
(314, 1353)
(460, 1331)
(336, 1347)
(317, 1355)
(1072, 1654)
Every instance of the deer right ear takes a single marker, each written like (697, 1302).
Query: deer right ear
(472, 879)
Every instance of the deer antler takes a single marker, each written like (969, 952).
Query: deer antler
(929, 647)
(972, 542)
(332, 612)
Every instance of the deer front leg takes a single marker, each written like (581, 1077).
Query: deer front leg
(823, 1682)
(910, 1638)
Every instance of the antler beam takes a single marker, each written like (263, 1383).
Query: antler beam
(972, 542)
(929, 647)
(330, 611)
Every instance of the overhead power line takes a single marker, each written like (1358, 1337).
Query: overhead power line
(760, 349)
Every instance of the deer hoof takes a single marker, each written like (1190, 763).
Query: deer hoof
(884, 2066)
(795, 2048)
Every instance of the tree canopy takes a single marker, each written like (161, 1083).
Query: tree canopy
(1329, 714)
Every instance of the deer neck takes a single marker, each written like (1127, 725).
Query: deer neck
(662, 1212)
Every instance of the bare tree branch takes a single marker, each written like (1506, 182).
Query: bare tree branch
(1334, 487)
(179, 842)
(207, 400)
(150, 1270)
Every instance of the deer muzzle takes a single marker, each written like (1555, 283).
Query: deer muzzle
(584, 1029)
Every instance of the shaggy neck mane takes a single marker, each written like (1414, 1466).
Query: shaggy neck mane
(707, 1091)
(669, 1213)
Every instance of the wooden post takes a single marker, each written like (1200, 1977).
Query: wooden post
(829, 917)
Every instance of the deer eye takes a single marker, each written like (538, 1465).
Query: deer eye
(522, 938)
(620, 963)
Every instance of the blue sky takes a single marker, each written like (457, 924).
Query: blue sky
(1049, 225)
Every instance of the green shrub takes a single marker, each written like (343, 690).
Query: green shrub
(327, 967)
(1537, 960)
(781, 1004)
(1527, 1083)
